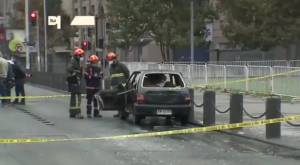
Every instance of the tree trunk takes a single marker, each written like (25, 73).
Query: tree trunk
(287, 52)
(126, 54)
(162, 50)
(168, 53)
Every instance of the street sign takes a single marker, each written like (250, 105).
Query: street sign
(83, 21)
(54, 21)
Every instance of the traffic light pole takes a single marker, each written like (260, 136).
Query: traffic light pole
(27, 34)
(192, 31)
(38, 43)
(45, 36)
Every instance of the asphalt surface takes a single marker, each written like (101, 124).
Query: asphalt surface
(49, 119)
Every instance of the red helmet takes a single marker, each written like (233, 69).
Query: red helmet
(93, 58)
(111, 56)
(79, 52)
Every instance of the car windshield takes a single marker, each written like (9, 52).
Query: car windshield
(164, 80)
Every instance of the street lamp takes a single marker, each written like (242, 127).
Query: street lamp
(192, 31)
(45, 36)
(27, 33)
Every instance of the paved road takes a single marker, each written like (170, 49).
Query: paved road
(49, 118)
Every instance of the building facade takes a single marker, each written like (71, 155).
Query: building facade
(98, 8)
(6, 11)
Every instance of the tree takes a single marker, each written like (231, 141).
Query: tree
(261, 24)
(129, 22)
(172, 24)
(167, 22)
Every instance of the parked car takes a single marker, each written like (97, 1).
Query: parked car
(157, 93)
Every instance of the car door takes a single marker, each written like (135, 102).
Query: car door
(132, 86)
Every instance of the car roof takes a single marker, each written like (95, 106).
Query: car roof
(157, 71)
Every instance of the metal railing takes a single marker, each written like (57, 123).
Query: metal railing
(281, 80)
(291, 63)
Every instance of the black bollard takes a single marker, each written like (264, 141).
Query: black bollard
(209, 104)
(191, 113)
(273, 111)
(236, 108)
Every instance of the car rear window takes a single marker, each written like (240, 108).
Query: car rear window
(166, 80)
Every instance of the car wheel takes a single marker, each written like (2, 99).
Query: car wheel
(124, 114)
(168, 120)
(137, 119)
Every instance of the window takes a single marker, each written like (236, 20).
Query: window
(84, 12)
(92, 10)
(75, 12)
(167, 80)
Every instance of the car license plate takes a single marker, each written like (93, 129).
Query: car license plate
(164, 112)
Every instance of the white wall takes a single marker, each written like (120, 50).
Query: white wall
(151, 53)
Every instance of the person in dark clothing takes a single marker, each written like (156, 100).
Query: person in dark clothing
(93, 77)
(9, 82)
(6, 80)
(74, 84)
(20, 77)
(119, 74)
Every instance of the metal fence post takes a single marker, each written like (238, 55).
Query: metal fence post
(273, 111)
(288, 63)
(206, 74)
(209, 104)
(236, 108)
(189, 73)
(160, 66)
(225, 77)
(272, 79)
(247, 78)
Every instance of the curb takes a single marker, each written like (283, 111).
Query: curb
(249, 137)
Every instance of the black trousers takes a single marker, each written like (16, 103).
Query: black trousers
(75, 104)
(92, 102)
(3, 91)
(19, 89)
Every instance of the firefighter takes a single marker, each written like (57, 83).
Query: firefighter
(3, 75)
(74, 84)
(93, 78)
(119, 74)
(20, 77)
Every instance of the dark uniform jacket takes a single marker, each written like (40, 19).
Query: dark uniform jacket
(119, 74)
(93, 76)
(10, 79)
(19, 72)
(74, 75)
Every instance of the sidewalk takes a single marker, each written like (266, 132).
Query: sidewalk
(255, 106)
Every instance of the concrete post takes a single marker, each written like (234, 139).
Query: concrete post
(236, 108)
(273, 111)
(191, 113)
(209, 104)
